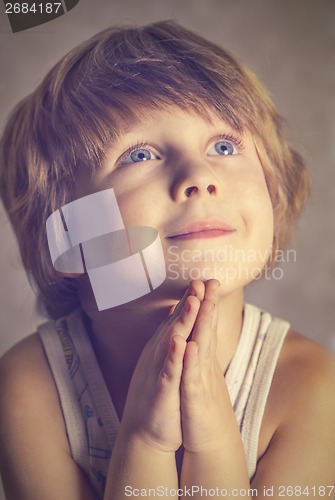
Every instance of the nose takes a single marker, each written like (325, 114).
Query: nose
(194, 180)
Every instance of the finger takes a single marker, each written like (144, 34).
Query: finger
(196, 288)
(170, 374)
(212, 288)
(182, 326)
(177, 308)
(212, 292)
(174, 312)
(203, 331)
(199, 287)
(191, 381)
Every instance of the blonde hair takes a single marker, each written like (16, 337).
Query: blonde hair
(71, 118)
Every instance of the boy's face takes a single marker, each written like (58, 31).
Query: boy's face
(201, 185)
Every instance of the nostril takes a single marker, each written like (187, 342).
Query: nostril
(189, 190)
(194, 189)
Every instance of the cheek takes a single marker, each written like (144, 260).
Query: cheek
(262, 202)
(263, 222)
(142, 200)
(256, 193)
(258, 213)
(135, 208)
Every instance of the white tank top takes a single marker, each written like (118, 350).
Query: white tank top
(90, 418)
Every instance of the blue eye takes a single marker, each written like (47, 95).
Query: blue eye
(223, 147)
(137, 154)
(140, 155)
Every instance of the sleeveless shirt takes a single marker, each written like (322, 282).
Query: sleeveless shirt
(90, 417)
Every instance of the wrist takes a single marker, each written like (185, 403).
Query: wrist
(132, 441)
(207, 466)
(136, 464)
(207, 449)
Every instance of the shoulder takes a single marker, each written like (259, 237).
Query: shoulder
(35, 451)
(27, 390)
(303, 387)
(24, 367)
(305, 367)
(298, 444)
(30, 417)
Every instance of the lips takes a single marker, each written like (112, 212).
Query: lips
(201, 229)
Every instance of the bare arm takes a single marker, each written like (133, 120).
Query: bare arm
(35, 457)
(300, 458)
(136, 466)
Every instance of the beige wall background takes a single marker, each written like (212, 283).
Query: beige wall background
(291, 46)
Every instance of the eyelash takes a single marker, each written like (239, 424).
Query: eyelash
(134, 147)
(236, 141)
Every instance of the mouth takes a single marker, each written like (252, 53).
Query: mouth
(199, 230)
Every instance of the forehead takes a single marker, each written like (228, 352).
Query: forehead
(147, 119)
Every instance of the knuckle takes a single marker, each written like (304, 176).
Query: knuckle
(165, 376)
(174, 328)
(193, 387)
(196, 383)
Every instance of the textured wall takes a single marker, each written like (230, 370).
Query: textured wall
(291, 45)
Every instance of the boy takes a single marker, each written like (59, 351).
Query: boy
(177, 389)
